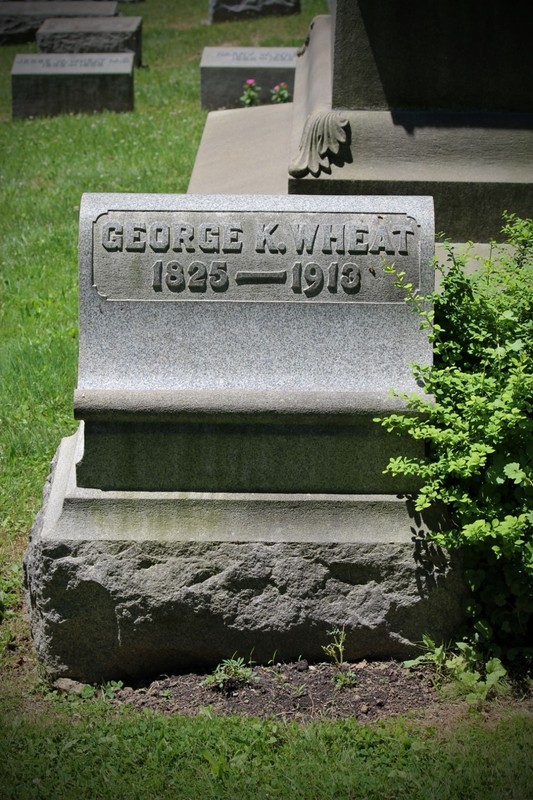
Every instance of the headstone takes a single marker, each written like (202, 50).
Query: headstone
(224, 71)
(92, 35)
(231, 10)
(49, 84)
(20, 21)
(224, 492)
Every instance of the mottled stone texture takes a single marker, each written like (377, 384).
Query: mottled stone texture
(92, 35)
(230, 10)
(117, 591)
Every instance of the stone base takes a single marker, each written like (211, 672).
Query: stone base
(475, 166)
(130, 584)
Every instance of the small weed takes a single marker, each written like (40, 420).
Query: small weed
(344, 679)
(335, 650)
(108, 690)
(230, 674)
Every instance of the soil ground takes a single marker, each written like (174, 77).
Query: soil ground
(296, 691)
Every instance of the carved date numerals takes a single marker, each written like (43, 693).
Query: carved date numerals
(196, 277)
(311, 278)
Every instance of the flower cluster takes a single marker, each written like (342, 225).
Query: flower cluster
(280, 93)
(251, 95)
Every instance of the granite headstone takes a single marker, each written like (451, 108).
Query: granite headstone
(49, 84)
(224, 71)
(224, 492)
(92, 35)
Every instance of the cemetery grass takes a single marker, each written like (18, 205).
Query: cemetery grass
(62, 746)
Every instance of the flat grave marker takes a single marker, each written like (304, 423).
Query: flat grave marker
(92, 35)
(224, 70)
(49, 84)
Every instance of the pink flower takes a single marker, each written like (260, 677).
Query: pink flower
(250, 81)
(276, 88)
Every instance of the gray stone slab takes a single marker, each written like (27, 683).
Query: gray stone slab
(20, 21)
(231, 10)
(227, 161)
(50, 84)
(254, 233)
(287, 303)
(124, 585)
(224, 70)
(92, 35)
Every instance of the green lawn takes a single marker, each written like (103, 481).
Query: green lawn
(52, 749)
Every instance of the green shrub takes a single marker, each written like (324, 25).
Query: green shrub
(479, 430)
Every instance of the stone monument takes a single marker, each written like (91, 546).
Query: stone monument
(423, 98)
(225, 490)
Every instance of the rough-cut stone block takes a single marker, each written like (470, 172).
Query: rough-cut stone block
(50, 84)
(224, 70)
(123, 584)
(230, 10)
(92, 35)
(20, 21)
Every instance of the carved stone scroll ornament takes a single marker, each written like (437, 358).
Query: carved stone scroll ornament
(323, 134)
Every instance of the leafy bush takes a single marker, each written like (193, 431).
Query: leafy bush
(479, 430)
(470, 675)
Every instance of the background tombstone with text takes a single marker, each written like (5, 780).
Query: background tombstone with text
(225, 490)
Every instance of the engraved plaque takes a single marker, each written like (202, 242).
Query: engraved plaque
(240, 256)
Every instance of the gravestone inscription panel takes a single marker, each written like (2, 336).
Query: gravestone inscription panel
(224, 491)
